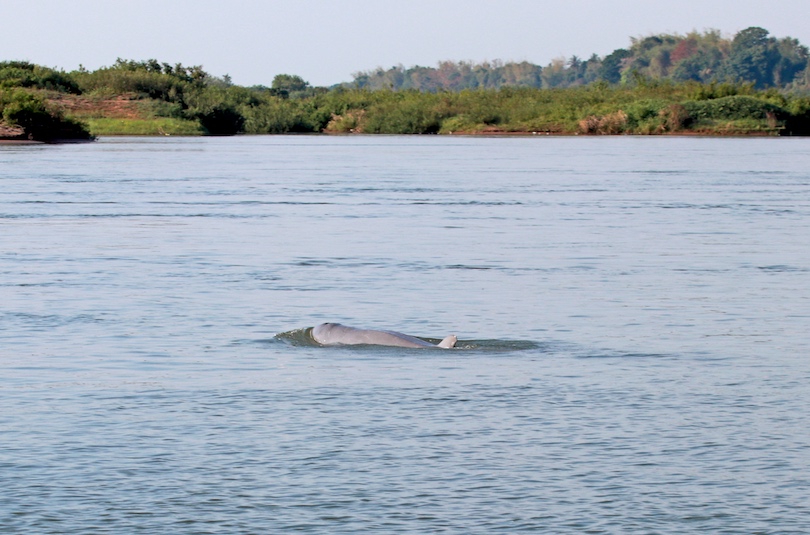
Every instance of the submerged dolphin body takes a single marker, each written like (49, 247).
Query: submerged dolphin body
(329, 334)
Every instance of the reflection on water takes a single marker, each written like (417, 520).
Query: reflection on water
(632, 315)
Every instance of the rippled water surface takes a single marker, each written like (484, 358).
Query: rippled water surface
(632, 316)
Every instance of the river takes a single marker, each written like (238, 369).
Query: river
(632, 315)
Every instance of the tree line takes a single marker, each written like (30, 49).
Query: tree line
(750, 56)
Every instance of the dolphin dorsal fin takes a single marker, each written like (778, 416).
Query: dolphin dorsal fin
(449, 342)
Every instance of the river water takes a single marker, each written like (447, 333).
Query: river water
(632, 316)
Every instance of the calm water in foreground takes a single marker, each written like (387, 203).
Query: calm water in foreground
(633, 316)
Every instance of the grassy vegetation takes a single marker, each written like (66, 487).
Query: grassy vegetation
(160, 126)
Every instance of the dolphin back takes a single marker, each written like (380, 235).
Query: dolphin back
(337, 334)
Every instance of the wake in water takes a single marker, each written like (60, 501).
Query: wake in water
(303, 338)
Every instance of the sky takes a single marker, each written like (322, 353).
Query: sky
(326, 42)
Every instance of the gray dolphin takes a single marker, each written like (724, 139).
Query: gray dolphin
(329, 334)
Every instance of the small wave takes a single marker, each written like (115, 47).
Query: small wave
(468, 203)
(618, 355)
(46, 320)
(781, 268)
(297, 337)
(470, 267)
(498, 346)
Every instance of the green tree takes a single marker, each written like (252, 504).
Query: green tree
(286, 84)
(25, 74)
(752, 57)
(792, 60)
(611, 70)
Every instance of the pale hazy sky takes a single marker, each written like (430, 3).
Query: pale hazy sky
(326, 41)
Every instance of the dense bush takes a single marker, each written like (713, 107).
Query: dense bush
(150, 79)
(23, 109)
(221, 120)
(407, 112)
(733, 108)
(24, 74)
(271, 118)
(798, 122)
(110, 81)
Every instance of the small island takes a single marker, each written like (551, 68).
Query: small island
(694, 84)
